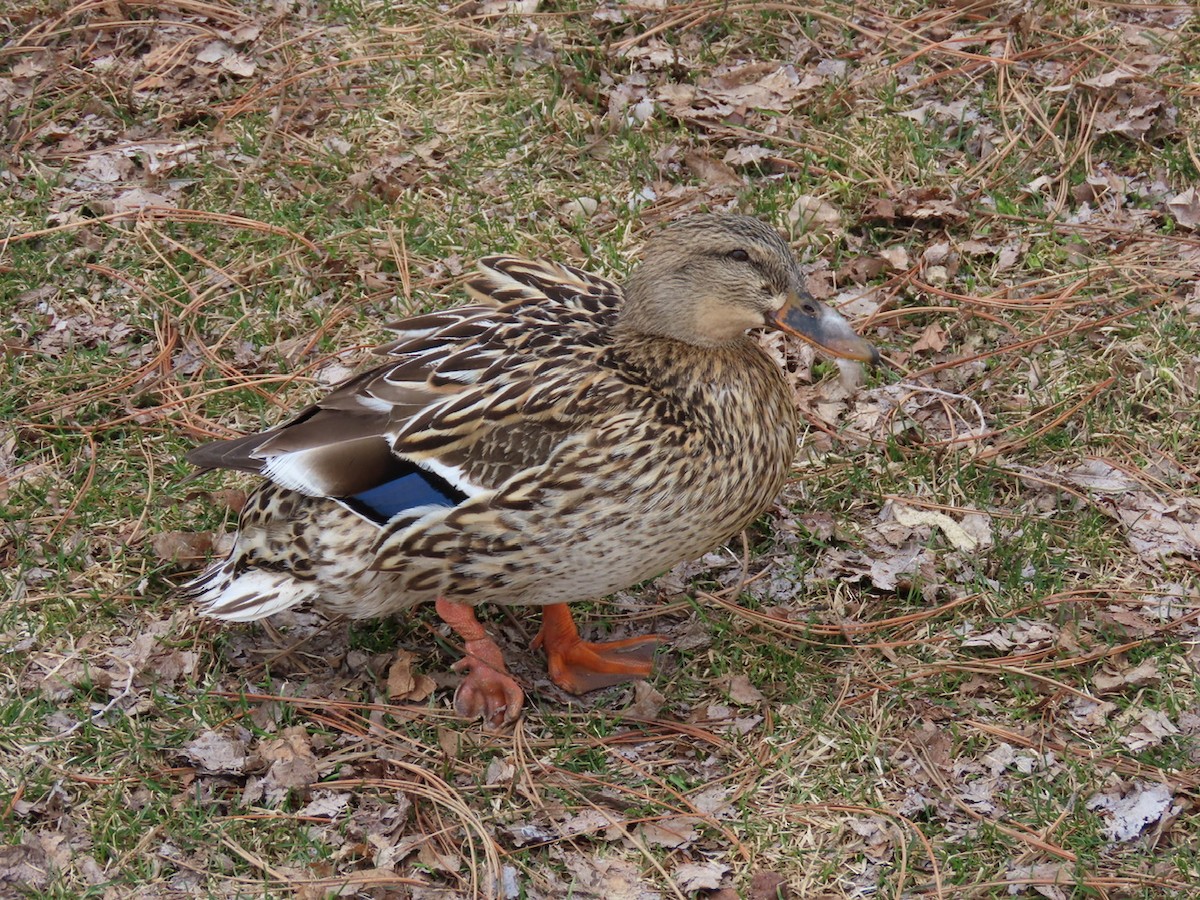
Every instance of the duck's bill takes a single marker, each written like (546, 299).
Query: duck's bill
(824, 327)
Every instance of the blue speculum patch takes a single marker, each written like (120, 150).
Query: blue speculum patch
(415, 487)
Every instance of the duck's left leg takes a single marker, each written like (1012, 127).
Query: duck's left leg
(487, 691)
(578, 666)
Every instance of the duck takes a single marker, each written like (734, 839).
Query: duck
(557, 439)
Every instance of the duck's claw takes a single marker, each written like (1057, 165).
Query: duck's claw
(488, 691)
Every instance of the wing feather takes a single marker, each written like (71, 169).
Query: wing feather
(484, 391)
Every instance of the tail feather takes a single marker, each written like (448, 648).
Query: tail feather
(232, 454)
(222, 592)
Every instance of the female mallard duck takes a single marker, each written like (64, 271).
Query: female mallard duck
(558, 440)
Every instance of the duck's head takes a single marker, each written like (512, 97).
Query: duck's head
(709, 279)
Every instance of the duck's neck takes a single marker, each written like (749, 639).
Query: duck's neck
(673, 358)
(739, 376)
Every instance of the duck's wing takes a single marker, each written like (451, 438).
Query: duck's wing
(504, 280)
(467, 397)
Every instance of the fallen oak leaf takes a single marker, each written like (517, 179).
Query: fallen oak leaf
(1185, 208)
(742, 692)
(213, 753)
(768, 886)
(182, 546)
(672, 833)
(499, 771)
(705, 876)
(1143, 674)
(1130, 811)
(293, 766)
(711, 171)
(402, 684)
(933, 338)
(647, 701)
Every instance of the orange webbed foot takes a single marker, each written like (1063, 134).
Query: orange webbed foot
(578, 666)
(487, 692)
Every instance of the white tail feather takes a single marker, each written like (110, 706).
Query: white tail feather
(255, 594)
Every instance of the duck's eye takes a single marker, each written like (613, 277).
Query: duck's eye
(739, 255)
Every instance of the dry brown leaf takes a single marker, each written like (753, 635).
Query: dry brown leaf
(1131, 808)
(1091, 713)
(611, 878)
(860, 270)
(878, 837)
(673, 833)
(858, 303)
(402, 684)
(896, 257)
(933, 338)
(936, 253)
(436, 859)
(813, 214)
(499, 771)
(713, 801)
(709, 170)
(647, 701)
(1134, 111)
(704, 876)
(167, 668)
(293, 766)
(766, 86)
(1145, 728)
(928, 204)
(508, 7)
(453, 742)
(879, 209)
(1185, 208)
(1022, 635)
(227, 58)
(1044, 878)
(1110, 78)
(182, 546)
(214, 753)
(1155, 528)
(108, 168)
(326, 804)
(748, 155)
(1139, 676)
(768, 886)
(525, 833)
(139, 198)
(596, 824)
(741, 691)
(25, 866)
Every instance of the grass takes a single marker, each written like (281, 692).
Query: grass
(934, 720)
